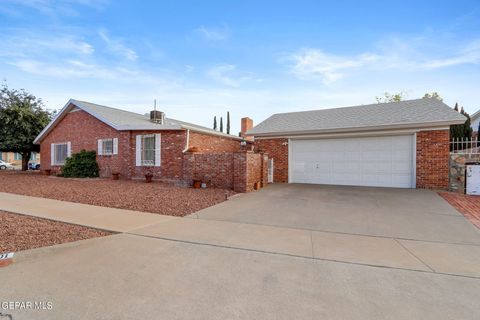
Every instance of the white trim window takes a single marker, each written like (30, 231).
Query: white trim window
(60, 152)
(107, 147)
(148, 150)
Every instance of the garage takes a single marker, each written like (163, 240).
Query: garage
(379, 161)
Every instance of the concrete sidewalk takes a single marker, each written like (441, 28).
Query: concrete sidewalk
(111, 219)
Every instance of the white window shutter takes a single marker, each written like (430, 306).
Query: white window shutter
(115, 145)
(52, 154)
(69, 149)
(100, 147)
(158, 154)
(138, 151)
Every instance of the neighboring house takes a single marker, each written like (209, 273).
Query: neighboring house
(129, 143)
(16, 158)
(399, 144)
(475, 122)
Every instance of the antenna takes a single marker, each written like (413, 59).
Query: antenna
(154, 110)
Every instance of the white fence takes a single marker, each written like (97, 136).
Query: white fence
(465, 146)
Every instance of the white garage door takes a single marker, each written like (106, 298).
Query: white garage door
(371, 161)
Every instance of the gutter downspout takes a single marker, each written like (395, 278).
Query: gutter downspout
(187, 142)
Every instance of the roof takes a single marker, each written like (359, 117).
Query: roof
(125, 120)
(475, 115)
(417, 113)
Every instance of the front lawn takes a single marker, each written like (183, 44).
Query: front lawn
(153, 197)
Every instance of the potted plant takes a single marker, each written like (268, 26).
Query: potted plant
(197, 184)
(148, 177)
(47, 172)
(115, 175)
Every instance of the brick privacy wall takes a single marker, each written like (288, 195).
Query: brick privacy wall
(278, 150)
(433, 154)
(215, 169)
(209, 143)
(229, 170)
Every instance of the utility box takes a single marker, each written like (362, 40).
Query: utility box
(473, 179)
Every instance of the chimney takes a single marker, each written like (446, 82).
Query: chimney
(246, 124)
(157, 116)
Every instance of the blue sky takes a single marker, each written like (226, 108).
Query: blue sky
(253, 58)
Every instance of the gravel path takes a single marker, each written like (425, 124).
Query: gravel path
(18, 232)
(153, 197)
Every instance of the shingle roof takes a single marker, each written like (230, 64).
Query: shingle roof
(395, 115)
(126, 120)
(475, 115)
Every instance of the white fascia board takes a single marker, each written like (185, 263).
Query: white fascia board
(357, 130)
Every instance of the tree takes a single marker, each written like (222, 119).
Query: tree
(22, 117)
(221, 124)
(461, 131)
(215, 123)
(387, 97)
(432, 95)
(228, 122)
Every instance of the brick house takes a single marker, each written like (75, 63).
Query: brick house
(398, 144)
(132, 145)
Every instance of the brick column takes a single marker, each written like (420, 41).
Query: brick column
(433, 154)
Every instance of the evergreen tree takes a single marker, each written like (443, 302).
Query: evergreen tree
(215, 123)
(221, 124)
(228, 122)
(461, 131)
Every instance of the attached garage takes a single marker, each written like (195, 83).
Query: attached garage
(386, 161)
(398, 144)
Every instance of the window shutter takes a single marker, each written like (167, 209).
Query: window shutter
(100, 147)
(52, 154)
(115, 145)
(158, 159)
(69, 149)
(138, 151)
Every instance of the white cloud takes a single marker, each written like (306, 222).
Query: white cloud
(116, 46)
(229, 75)
(52, 8)
(314, 63)
(214, 34)
(393, 53)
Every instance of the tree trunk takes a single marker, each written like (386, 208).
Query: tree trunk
(25, 158)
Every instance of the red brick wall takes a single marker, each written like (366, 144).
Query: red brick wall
(83, 130)
(230, 170)
(210, 143)
(278, 150)
(433, 155)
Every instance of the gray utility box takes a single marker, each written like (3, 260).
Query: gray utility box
(473, 179)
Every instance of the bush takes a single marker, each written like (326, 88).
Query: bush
(81, 165)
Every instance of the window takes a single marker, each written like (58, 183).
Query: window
(33, 156)
(17, 156)
(148, 150)
(60, 152)
(107, 147)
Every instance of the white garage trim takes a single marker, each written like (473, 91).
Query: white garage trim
(382, 161)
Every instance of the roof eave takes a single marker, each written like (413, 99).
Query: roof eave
(221, 134)
(358, 129)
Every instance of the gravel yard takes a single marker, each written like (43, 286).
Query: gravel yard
(153, 197)
(19, 232)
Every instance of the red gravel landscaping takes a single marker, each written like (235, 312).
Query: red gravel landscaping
(19, 232)
(469, 206)
(153, 197)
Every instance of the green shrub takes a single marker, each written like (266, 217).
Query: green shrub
(81, 165)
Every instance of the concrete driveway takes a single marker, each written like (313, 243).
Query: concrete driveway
(285, 252)
(384, 212)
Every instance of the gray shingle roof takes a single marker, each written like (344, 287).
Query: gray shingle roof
(126, 120)
(475, 115)
(395, 115)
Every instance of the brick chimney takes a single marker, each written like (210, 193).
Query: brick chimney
(246, 124)
(157, 116)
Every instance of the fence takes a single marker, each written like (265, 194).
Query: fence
(465, 146)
